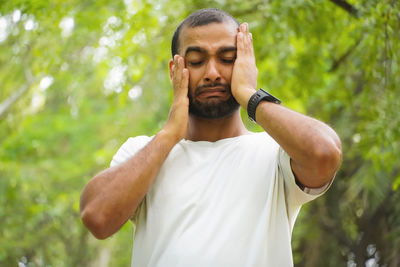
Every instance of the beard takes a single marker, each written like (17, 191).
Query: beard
(212, 108)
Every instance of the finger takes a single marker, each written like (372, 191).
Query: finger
(180, 64)
(243, 41)
(246, 33)
(239, 45)
(251, 44)
(181, 77)
(185, 82)
(239, 40)
(174, 67)
(181, 89)
(176, 74)
(244, 27)
(176, 63)
(247, 38)
(180, 69)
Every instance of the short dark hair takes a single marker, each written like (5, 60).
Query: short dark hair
(199, 18)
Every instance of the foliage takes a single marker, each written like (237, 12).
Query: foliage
(80, 77)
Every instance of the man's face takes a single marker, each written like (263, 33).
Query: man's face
(210, 52)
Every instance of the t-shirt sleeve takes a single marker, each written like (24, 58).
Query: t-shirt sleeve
(129, 148)
(126, 151)
(295, 196)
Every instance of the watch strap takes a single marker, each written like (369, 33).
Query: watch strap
(255, 99)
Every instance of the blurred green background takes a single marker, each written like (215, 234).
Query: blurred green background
(77, 78)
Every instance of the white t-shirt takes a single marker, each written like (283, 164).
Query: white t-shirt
(232, 202)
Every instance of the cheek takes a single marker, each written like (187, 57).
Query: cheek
(227, 73)
(194, 78)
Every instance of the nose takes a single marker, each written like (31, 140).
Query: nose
(212, 74)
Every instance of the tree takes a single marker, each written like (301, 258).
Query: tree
(79, 77)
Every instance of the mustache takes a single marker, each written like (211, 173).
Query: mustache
(201, 88)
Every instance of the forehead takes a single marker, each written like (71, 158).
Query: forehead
(210, 37)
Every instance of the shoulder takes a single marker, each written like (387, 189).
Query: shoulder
(134, 142)
(130, 148)
(262, 140)
(260, 146)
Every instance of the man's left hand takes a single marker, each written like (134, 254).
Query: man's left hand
(244, 75)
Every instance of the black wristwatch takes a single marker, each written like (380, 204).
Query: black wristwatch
(255, 100)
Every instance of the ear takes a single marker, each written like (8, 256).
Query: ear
(171, 63)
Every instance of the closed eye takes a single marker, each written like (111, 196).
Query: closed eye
(195, 63)
(229, 61)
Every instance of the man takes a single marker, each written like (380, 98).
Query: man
(204, 191)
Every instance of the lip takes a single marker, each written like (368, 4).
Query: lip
(217, 91)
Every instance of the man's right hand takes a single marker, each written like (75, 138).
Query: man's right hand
(177, 123)
(113, 195)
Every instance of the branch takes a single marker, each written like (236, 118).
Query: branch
(6, 104)
(343, 57)
(243, 12)
(347, 7)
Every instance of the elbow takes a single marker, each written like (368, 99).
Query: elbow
(95, 223)
(328, 159)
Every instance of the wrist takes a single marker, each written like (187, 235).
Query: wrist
(243, 96)
(168, 137)
(255, 100)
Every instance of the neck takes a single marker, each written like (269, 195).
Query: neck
(212, 130)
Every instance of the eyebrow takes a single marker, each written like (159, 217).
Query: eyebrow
(194, 49)
(203, 51)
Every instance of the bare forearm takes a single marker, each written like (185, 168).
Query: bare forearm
(113, 195)
(313, 146)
